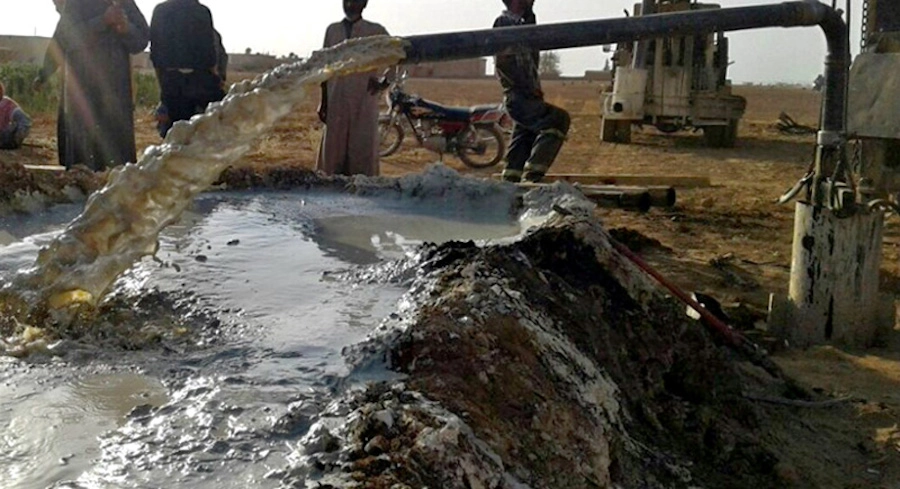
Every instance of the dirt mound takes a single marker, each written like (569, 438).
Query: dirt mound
(554, 363)
(25, 190)
(169, 322)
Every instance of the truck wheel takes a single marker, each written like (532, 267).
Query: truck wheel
(721, 136)
(615, 131)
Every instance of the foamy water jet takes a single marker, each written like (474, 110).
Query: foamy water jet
(121, 222)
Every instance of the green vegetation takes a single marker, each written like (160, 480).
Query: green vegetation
(146, 90)
(18, 79)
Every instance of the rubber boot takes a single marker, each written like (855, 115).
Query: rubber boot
(546, 147)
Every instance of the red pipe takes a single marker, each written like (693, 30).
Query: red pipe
(717, 325)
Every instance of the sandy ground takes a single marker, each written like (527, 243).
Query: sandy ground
(729, 240)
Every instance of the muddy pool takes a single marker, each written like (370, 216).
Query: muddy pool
(275, 280)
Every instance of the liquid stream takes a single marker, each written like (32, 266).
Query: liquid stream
(121, 222)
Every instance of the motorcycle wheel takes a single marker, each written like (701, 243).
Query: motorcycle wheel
(390, 136)
(481, 146)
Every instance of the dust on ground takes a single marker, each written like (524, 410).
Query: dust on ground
(730, 241)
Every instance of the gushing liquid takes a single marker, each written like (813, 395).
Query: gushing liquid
(121, 222)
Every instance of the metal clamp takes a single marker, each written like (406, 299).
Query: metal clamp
(830, 139)
(800, 185)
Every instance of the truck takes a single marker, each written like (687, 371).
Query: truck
(673, 84)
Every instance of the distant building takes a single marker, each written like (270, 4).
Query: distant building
(598, 75)
(31, 49)
(253, 63)
(249, 63)
(465, 68)
(23, 49)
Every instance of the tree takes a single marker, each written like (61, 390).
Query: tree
(248, 51)
(549, 64)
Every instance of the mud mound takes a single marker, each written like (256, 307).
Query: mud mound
(548, 363)
(636, 241)
(30, 191)
(436, 181)
(171, 322)
(278, 177)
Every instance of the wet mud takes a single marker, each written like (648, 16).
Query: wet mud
(23, 190)
(549, 363)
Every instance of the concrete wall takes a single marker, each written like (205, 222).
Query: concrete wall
(29, 49)
(23, 49)
(254, 63)
(466, 68)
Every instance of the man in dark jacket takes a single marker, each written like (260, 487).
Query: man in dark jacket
(540, 128)
(186, 52)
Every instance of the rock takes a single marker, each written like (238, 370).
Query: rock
(377, 446)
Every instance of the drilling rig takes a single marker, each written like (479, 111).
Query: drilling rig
(672, 83)
(833, 294)
(874, 102)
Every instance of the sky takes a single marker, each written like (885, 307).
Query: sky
(279, 27)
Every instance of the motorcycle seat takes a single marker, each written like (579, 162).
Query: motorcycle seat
(475, 109)
(459, 113)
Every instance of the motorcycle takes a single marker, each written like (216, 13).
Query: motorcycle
(474, 134)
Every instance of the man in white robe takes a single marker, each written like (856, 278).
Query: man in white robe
(349, 106)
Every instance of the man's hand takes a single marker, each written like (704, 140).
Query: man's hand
(322, 111)
(115, 18)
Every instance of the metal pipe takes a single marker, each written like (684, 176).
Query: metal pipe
(659, 195)
(639, 59)
(621, 199)
(476, 44)
(716, 326)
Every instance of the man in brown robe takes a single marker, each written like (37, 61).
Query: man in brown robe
(349, 106)
(96, 39)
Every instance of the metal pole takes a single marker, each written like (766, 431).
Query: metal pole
(545, 37)
(822, 302)
(639, 59)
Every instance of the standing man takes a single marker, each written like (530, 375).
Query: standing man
(96, 39)
(349, 106)
(53, 60)
(185, 51)
(540, 128)
(14, 122)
